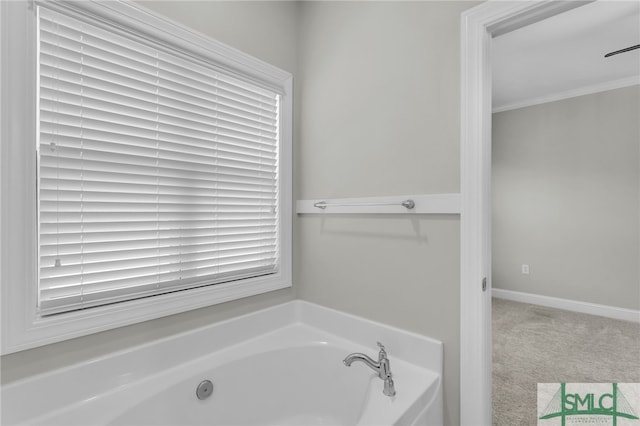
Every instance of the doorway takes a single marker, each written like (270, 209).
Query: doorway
(478, 25)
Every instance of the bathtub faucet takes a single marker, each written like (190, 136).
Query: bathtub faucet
(382, 367)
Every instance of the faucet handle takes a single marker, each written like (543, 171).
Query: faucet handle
(383, 352)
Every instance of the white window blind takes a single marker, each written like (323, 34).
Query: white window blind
(157, 172)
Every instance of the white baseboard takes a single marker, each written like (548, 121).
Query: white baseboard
(569, 305)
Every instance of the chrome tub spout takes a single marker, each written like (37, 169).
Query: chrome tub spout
(381, 367)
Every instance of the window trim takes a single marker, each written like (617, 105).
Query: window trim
(22, 327)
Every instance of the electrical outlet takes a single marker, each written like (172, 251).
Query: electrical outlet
(525, 269)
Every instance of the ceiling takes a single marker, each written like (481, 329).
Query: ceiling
(563, 56)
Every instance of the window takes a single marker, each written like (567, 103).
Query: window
(156, 172)
(161, 173)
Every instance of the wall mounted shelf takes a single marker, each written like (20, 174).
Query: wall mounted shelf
(408, 204)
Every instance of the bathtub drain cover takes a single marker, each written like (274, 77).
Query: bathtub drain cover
(204, 389)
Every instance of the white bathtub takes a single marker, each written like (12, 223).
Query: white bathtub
(279, 366)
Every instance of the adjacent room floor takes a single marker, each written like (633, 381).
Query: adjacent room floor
(535, 344)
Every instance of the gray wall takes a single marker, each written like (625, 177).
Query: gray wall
(376, 113)
(566, 198)
(380, 115)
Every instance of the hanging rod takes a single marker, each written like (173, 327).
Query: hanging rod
(408, 204)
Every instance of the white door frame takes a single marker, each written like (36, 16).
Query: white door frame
(477, 27)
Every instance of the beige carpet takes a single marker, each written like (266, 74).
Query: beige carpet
(534, 344)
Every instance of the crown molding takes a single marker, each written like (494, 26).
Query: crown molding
(587, 90)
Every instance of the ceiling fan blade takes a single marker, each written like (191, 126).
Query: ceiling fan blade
(628, 49)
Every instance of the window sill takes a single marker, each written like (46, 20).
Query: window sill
(55, 328)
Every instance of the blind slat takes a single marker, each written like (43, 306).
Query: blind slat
(145, 252)
(126, 164)
(64, 300)
(90, 149)
(60, 248)
(94, 81)
(92, 272)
